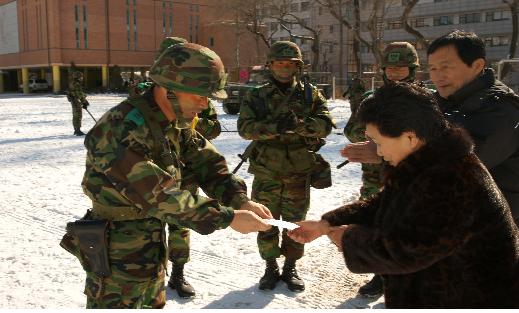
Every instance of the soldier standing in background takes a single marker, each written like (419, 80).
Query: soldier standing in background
(399, 64)
(77, 99)
(286, 126)
(135, 156)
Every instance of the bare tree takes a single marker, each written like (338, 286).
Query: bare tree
(513, 5)
(281, 11)
(409, 6)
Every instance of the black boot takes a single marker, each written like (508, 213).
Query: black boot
(271, 276)
(289, 276)
(177, 281)
(78, 132)
(373, 288)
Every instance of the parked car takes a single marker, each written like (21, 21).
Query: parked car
(36, 84)
(236, 91)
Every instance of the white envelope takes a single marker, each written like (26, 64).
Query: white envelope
(282, 224)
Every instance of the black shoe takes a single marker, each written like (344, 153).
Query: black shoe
(372, 289)
(290, 277)
(271, 276)
(78, 132)
(178, 283)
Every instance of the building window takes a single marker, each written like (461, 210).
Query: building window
(417, 23)
(498, 16)
(442, 20)
(497, 41)
(305, 22)
(164, 17)
(305, 6)
(191, 28)
(331, 29)
(395, 24)
(274, 26)
(470, 18)
(320, 11)
(85, 26)
(76, 16)
(211, 42)
(294, 7)
(128, 28)
(171, 17)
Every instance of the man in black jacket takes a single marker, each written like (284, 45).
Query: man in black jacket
(471, 97)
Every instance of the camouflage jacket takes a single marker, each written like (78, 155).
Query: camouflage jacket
(208, 124)
(122, 171)
(75, 90)
(288, 153)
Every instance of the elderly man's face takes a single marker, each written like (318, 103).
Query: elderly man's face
(448, 72)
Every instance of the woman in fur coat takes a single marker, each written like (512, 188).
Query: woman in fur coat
(440, 232)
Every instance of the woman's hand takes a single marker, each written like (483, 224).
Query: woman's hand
(335, 235)
(309, 231)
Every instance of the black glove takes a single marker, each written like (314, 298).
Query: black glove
(85, 104)
(287, 122)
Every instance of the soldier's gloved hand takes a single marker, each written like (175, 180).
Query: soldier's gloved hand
(288, 122)
(258, 208)
(85, 104)
(246, 222)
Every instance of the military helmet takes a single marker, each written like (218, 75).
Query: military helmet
(400, 54)
(285, 51)
(169, 41)
(192, 68)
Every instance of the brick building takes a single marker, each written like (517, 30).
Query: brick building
(40, 38)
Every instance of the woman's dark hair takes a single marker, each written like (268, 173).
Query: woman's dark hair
(398, 107)
(468, 45)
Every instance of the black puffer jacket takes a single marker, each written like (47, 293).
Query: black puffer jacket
(489, 111)
(440, 233)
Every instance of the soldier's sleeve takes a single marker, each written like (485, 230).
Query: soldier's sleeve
(212, 174)
(319, 123)
(78, 93)
(208, 124)
(354, 130)
(120, 153)
(252, 122)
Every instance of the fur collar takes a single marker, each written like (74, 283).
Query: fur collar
(452, 146)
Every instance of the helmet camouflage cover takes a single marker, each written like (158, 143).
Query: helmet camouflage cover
(285, 51)
(400, 54)
(169, 41)
(192, 68)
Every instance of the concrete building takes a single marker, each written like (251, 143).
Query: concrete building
(103, 38)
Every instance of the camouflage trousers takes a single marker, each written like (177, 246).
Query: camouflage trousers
(178, 244)
(116, 293)
(77, 114)
(371, 180)
(288, 198)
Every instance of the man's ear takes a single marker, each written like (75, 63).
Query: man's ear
(478, 65)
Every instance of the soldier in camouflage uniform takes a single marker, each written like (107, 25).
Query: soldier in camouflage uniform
(207, 124)
(399, 64)
(286, 130)
(135, 157)
(78, 100)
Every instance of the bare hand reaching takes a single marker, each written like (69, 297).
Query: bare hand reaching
(363, 152)
(258, 208)
(246, 222)
(309, 231)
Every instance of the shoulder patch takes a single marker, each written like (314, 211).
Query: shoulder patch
(135, 116)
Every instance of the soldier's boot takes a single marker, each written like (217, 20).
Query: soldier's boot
(179, 283)
(78, 132)
(373, 288)
(271, 276)
(290, 277)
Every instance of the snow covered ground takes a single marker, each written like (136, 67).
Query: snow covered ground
(41, 167)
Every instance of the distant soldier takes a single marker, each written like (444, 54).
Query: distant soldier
(77, 98)
(399, 64)
(286, 121)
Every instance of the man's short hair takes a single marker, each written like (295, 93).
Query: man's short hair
(397, 107)
(468, 45)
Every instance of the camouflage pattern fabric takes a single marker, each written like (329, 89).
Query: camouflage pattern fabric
(188, 67)
(77, 97)
(122, 173)
(400, 54)
(288, 198)
(167, 42)
(285, 51)
(282, 163)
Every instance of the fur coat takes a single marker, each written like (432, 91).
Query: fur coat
(440, 232)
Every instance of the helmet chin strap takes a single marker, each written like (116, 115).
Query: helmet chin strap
(180, 122)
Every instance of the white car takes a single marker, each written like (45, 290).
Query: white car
(36, 85)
